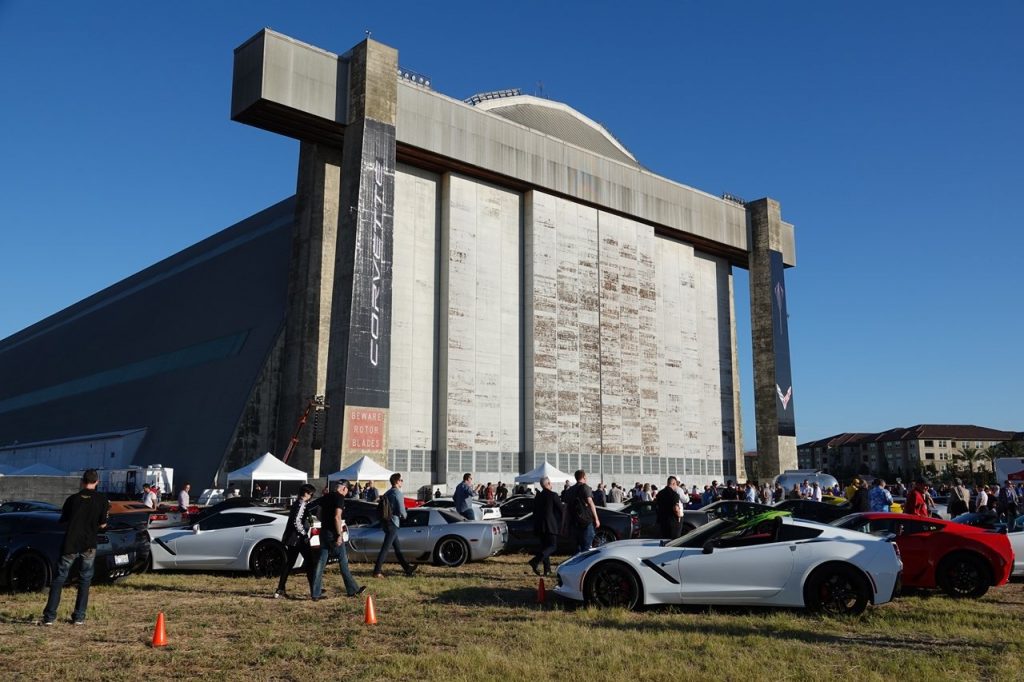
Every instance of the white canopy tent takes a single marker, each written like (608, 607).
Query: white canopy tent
(363, 469)
(266, 468)
(545, 470)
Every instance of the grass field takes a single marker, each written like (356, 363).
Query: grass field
(481, 622)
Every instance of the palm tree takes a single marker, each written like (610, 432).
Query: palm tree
(991, 454)
(969, 455)
(1011, 448)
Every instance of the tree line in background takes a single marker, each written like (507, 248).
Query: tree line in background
(973, 465)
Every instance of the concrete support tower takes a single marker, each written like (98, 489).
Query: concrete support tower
(773, 384)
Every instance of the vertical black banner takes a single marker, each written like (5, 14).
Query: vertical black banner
(369, 350)
(780, 334)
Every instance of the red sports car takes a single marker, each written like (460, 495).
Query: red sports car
(963, 561)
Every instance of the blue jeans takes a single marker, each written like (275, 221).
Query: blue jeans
(329, 548)
(84, 580)
(390, 539)
(584, 537)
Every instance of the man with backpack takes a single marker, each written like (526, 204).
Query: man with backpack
(581, 512)
(392, 510)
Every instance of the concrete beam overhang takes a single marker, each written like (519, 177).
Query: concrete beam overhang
(298, 90)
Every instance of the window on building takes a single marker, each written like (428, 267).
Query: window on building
(929, 443)
(952, 443)
(942, 443)
(929, 455)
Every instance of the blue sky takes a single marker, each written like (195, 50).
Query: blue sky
(890, 133)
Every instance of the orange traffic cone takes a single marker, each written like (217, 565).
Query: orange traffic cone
(370, 617)
(160, 633)
(542, 595)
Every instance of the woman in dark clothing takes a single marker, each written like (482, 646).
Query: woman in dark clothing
(296, 540)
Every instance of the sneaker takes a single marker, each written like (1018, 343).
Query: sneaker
(280, 594)
(362, 588)
(46, 622)
(534, 565)
(78, 622)
(411, 570)
(378, 575)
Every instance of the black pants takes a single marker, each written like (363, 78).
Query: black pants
(669, 528)
(548, 545)
(308, 565)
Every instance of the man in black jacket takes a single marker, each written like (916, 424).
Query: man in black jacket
(85, 514)
(668, 506)
(547, 520)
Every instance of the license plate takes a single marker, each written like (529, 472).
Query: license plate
(120, 559)
(314, 541)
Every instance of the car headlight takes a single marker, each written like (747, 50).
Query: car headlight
(575, 559)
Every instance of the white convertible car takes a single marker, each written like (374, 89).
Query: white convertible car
(230, 539)
(770, 559)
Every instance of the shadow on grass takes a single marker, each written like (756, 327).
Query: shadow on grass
(875, 640)
(487, 596)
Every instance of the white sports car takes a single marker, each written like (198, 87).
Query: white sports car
(770, 559)
(231, 539)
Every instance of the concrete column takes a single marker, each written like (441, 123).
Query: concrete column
(773, 387)
(358, 374)
(310, 287)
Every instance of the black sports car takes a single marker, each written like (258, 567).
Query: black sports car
(30, 544)
(27, 505)
(614, 526)
(809, 510)
(648, 517)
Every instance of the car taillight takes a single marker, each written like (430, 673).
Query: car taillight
(314, 531)
(495, 530)
(157, 517)
(896, 548)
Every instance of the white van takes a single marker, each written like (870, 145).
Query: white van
(787, 479)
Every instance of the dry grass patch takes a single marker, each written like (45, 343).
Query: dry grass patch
(480, 621)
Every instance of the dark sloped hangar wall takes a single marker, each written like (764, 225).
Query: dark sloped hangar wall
(176, 348)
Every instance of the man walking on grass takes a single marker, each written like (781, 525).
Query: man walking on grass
(394, 503)
(85, 514)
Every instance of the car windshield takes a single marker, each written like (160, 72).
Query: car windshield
(449, 516)
(697, 536)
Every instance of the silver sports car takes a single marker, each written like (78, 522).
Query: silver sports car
(230, 539)
(437, 535)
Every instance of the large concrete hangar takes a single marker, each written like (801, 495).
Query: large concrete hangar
(472, 286)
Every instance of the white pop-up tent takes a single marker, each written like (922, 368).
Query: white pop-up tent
(548, 470)
(266, 468)
(363, 469)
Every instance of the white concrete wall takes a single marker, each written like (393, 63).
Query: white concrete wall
(414, 323)
(629, 347)
(482, 340)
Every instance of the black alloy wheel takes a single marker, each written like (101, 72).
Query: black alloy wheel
(602, 537)
(611, 584)
(452, 551)
(837, 591)
(28, 573)
(963, 576)
(267, 560)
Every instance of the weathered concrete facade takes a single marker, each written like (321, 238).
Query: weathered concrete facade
(552, 300)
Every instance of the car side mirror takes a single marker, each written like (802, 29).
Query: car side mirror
(195, 529)
(709, 547)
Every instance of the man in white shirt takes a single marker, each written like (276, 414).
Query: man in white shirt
(148, 496)
(981, 503)
(816, 492)
(183, 498)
